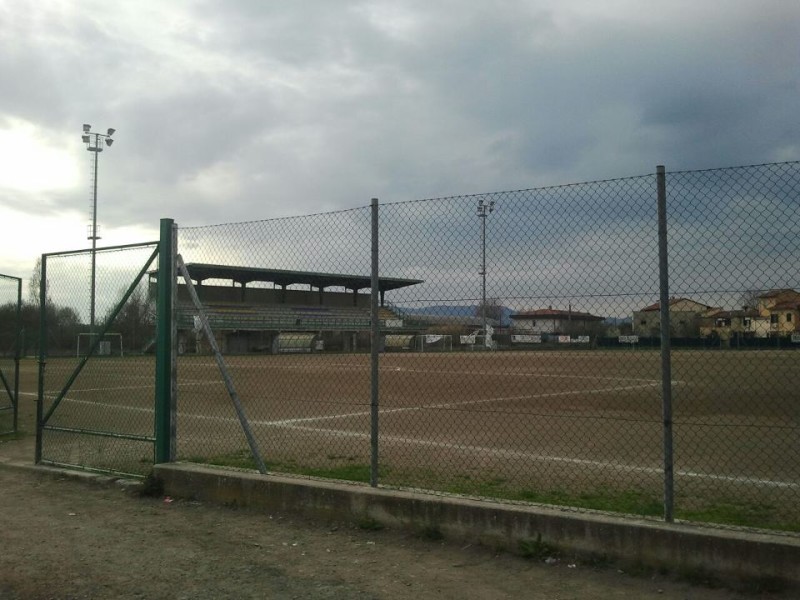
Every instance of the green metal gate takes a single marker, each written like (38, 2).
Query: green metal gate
(10, 307)
(101, 402)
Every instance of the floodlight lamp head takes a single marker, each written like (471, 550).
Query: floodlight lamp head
(109, 141)
(86, 128)
(111, 131)
(85, 139)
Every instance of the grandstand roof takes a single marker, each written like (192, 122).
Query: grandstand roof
(244, 275)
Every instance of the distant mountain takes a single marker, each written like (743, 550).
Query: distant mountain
(448, 310)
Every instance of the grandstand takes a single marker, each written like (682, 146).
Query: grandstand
(276, 311)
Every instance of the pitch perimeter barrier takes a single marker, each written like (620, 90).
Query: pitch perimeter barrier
(549, 299)
(556, 386)
(619, 345)
(10, 332)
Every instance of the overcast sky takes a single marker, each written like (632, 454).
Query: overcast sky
(247, 110)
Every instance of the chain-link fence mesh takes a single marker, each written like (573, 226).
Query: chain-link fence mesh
(10, 318)
(540, 403)
(296, 354)
(520, 345)
(99, 375)
(735, 279)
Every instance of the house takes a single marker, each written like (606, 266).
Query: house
(684, 316)
(782, 308)
(554, 321)
(728, 324)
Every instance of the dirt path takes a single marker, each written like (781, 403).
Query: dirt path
(65, 538)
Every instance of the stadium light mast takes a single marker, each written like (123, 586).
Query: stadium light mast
(484, 210)
(94, 143)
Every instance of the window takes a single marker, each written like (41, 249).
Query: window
(643, 322)
(533, 323)
(788, 317)
(747, 321)
(773, 319)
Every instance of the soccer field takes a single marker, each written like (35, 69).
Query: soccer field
(544, 425)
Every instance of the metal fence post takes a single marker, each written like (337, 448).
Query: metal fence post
(17, 351)
(374, 348)
(666, 363)
(42, 358)
(165, 363)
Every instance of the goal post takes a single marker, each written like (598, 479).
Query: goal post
(433, 343)
(110, 344)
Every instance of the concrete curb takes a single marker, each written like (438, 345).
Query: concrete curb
(86, 477)
(732, 557)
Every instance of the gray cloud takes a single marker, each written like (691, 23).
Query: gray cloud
(247, 110)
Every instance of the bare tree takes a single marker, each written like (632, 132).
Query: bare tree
(494, 309)
(749, 299)
(35, 284)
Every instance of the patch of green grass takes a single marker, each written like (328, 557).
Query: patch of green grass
(740, 513)
(243, 460)
(636, 502)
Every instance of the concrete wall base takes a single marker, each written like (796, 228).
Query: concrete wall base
(731, 557)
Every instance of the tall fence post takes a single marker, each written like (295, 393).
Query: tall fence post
(666, 356)
(17, 351)
(42, 358)
(374, 348)
(165, 351)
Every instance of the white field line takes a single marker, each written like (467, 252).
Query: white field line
(49, 394)
(480, 450)
(389, 411)
(505, 453)
(362, 413)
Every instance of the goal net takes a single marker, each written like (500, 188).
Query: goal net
(433, 343)
(110, 344)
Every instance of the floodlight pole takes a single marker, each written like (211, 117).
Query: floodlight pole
(484, 209)
(97, 148)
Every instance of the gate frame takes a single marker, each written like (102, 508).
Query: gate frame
(164, 403)
(14, 394)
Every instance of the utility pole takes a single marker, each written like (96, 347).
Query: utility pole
(484, 209)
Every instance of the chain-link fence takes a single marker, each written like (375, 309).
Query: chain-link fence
(10, 331)
(295, 354)
(97, 339)
(520, 345)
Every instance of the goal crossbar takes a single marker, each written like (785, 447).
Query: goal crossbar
(109, 342)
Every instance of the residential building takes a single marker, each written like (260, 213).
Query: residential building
(684, 316)
(782, 308)
(728, 324)
(555, 322)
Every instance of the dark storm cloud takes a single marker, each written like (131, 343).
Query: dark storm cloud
(244, 110)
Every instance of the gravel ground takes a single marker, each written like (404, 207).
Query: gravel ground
(64, 537)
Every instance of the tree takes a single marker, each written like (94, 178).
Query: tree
(8, 330)
(494, 310)
(136, 320)
(35, 284)
(749, 299)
